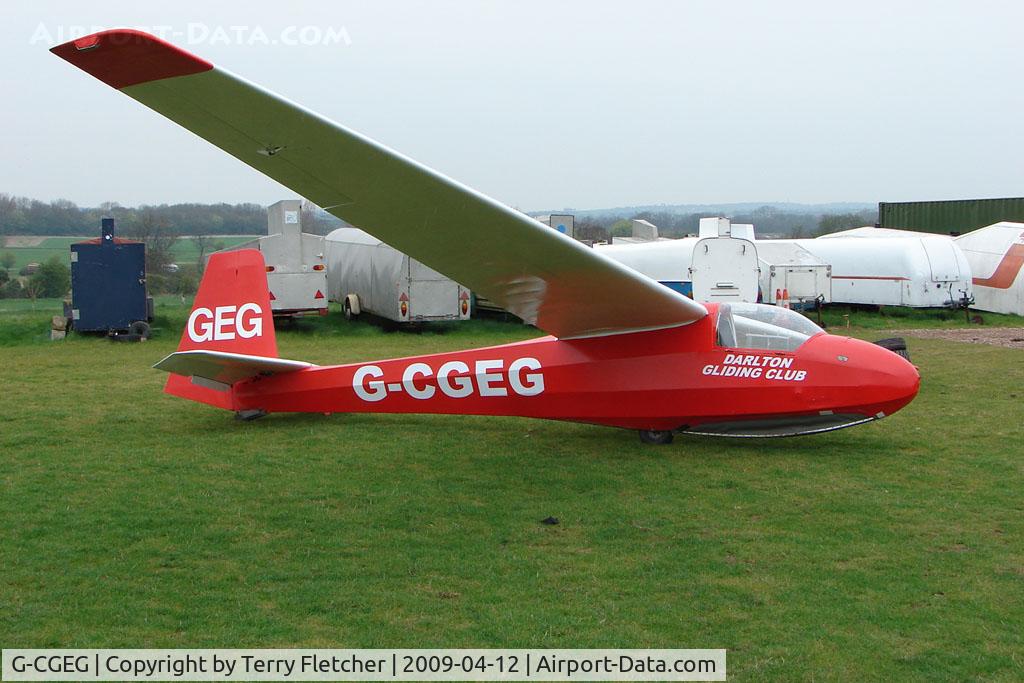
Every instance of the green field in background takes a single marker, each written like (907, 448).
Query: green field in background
(185, 249)
(891, 551)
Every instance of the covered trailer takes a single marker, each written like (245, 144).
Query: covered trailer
(918, 271)
(788, 267)
(366, 275)
(874, 231)
(712, 267)
(296, 264)
(996, 255)
(108, 286)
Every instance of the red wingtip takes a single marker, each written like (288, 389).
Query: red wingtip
(123, 57)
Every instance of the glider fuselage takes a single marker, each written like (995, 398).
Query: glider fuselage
(672, 379)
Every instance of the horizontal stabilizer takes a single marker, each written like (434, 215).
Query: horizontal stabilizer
(226, 368)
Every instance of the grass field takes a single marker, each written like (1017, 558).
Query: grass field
(836, 318)
(185, 250)
(891, 551)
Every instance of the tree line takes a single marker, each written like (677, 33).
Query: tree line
(767, 221)
(26, 216)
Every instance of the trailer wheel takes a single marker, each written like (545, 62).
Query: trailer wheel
(141, 328)
(655, 437)
(351, 307)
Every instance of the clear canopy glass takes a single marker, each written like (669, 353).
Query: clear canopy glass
(761, 327)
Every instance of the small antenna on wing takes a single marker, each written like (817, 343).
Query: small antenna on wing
(270, 150)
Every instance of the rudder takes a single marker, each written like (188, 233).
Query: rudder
(231, 313)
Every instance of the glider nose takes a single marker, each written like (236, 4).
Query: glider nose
(894, 380)
(906, 382)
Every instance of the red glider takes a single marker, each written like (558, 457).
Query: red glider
(625, 351)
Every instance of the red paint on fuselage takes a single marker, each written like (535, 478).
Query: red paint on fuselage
(664, 379)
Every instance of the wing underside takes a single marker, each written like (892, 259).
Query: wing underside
(546, 278)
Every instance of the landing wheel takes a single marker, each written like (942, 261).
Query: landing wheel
(349, 315)
(656, 437)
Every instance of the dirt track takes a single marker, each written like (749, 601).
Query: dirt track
(19, 241)
(1010, 337)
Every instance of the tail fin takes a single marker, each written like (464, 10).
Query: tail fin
(232, 308)
(231, 315)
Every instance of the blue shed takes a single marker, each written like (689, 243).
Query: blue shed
(108, 285)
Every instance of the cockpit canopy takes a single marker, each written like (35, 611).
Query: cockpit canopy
(757, 326)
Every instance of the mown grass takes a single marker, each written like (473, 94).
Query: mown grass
(891, 551)
(26, 321)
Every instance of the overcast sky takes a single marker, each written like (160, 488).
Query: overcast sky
(554, 104)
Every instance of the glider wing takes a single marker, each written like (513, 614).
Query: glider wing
(545, 278)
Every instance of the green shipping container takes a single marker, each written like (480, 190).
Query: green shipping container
(955, 216)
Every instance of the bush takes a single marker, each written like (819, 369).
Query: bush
(4, 276)
(185, 281)
(12, 290)
(53, 279)
(186, 284)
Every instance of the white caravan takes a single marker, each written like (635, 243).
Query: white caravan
(296, 272)
(715, 266)
(366, 275)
